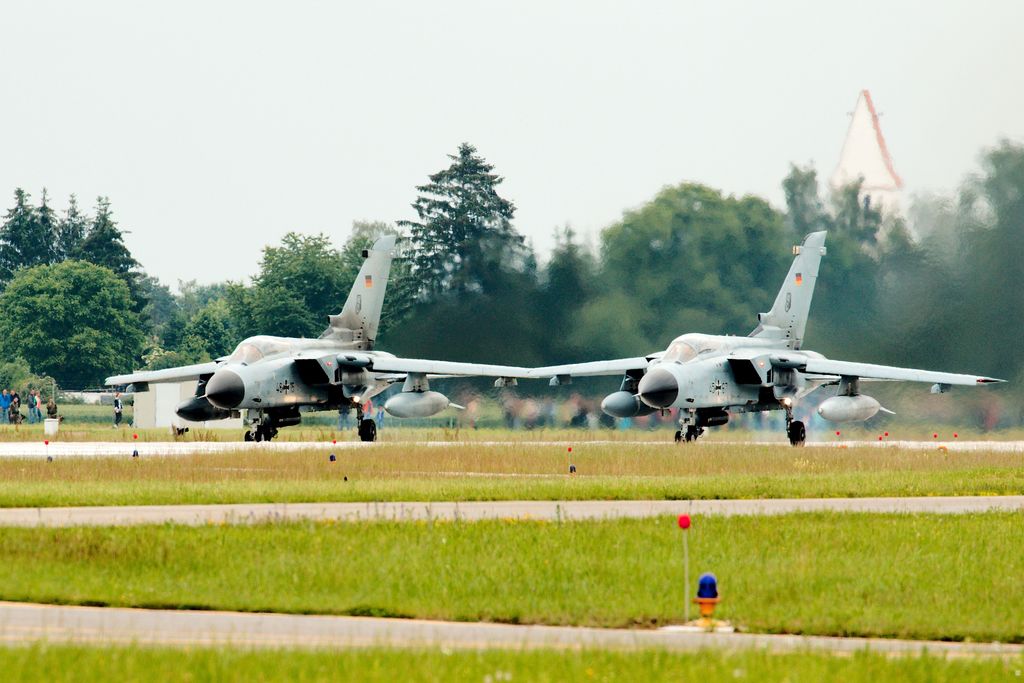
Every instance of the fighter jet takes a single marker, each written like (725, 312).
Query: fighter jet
(708, 377)
(270, 378)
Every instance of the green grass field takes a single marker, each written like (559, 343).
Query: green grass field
(915, 576)
(78, 663)
(410, 471)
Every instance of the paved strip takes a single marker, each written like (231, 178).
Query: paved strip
(25, 623)
(105, 449)
(254, 513)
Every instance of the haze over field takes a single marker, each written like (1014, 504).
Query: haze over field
(215, 129)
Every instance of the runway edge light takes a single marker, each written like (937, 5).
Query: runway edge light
(707, 597)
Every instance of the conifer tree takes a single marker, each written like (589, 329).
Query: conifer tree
(104, 245)
(70, 231)
(27, 235)
(464, 235)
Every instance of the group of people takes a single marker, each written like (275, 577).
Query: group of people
(11, 405)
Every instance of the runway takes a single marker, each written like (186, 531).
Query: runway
(255, 513)
(26, 623)
(104, 449)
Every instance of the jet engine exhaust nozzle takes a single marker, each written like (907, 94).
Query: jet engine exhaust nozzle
(225, 389)
(658, 388)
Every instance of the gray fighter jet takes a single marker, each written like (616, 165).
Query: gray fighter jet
(707, 377)
(270, 378)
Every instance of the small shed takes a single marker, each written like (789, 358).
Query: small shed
(155, 407)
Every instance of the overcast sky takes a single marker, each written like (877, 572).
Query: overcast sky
(216, 127)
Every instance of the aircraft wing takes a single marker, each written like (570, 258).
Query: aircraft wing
(444, 367)
(593, 368)
(824, 366)
(179, 374)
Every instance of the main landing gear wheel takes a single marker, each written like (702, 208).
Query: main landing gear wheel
(367, 430)
(797, 433)
(679, 436)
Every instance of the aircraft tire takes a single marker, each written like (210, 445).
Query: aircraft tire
(248, 436)
(367, 430)
(679, 436)
(797, 433)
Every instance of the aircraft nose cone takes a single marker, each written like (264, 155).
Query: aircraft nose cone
(658, 388)
(225, 389)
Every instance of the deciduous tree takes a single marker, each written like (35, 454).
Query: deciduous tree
(72, 320)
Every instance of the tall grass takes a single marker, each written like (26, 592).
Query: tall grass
(409, 471)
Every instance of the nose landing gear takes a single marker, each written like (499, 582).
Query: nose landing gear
(261, 432)
(688, 429)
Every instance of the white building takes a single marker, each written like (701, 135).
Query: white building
(865, 155)
(155, 407)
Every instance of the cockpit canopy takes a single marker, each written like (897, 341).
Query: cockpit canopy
(255, 349)
(689, 346)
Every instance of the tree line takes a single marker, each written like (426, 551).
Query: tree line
(934, 288)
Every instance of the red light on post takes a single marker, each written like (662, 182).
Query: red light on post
(955, 435)
(46, 442)
(135, 436)
(935, 436)
(570, 449)
(684, 522)
(887, 433)
(837, 432)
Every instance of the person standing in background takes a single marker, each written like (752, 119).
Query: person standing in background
(118, 409)
(5, 405)
(34, 405)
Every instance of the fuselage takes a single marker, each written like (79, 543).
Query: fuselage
(718, 372)
(266, 373)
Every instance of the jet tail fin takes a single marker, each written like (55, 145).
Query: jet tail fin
(359, 319)
(788, 317)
